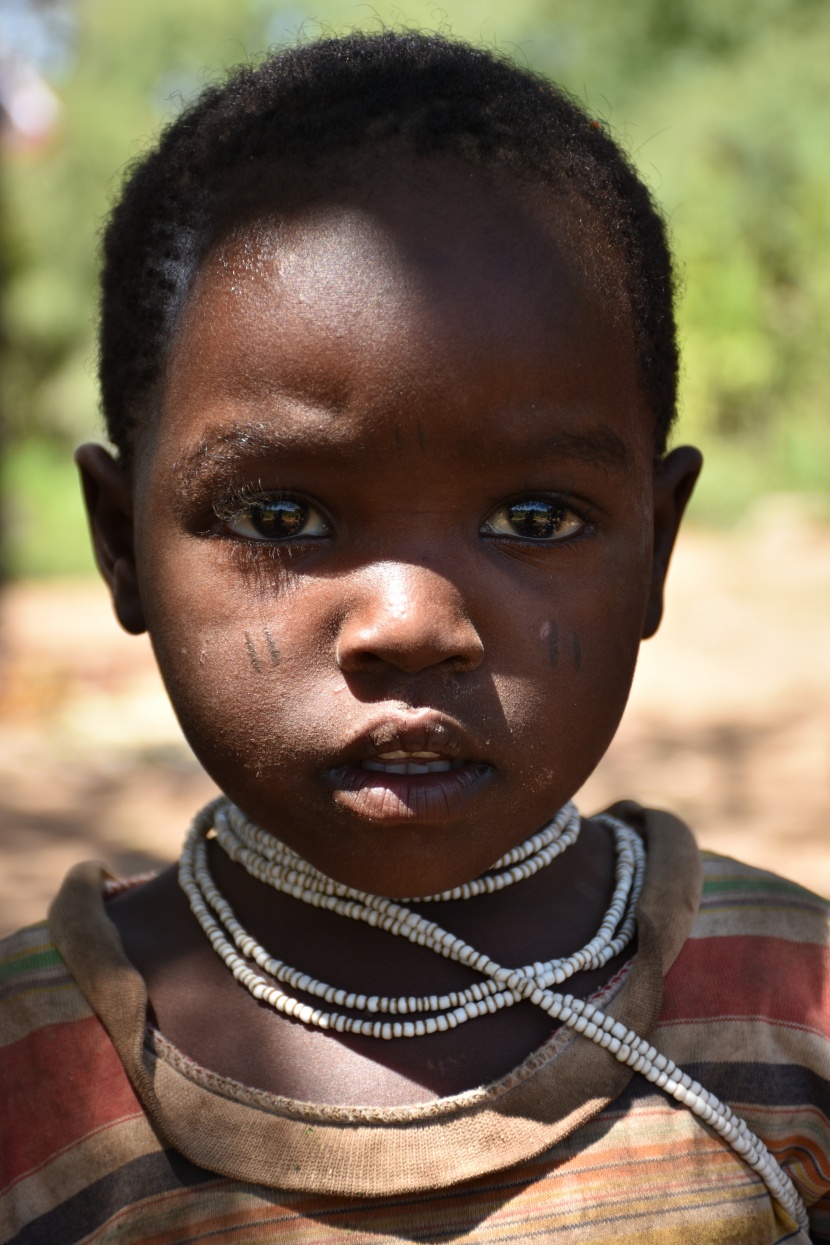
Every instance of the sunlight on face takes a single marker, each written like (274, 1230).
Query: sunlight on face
(405, 449)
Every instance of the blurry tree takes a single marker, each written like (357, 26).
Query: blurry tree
(725, 109)
(31, 32)
(129, 66)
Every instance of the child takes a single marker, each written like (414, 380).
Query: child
(388, 360)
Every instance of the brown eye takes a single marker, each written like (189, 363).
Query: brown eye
(533, 519)
(280, 518)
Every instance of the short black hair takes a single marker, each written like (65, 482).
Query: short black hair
(326, 100)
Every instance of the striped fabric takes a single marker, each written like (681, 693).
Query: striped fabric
(745, 1010)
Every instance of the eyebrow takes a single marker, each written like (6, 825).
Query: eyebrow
(224, 449)
(227, 448)
(221, 450)
(601, 447)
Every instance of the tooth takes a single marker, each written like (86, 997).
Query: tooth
(395, 769)
(439, 767)
(394, 756)
(374, 765)
(417, 769)
(427, 756)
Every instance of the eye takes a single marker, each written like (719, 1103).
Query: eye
(534, 518)
(278, 518)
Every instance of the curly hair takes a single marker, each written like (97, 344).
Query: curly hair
(324, 103)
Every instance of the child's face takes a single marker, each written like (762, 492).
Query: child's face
(400, 499)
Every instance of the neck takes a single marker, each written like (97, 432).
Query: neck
(198, 1005)
(546, 916)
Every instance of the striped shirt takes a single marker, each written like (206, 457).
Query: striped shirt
(108, 1133)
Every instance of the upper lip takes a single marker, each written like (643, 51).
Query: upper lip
(409, 733)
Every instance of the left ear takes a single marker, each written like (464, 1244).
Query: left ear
(674, 480)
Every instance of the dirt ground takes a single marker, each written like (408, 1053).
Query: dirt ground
(728, 724)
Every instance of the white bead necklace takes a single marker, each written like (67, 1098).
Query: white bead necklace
(271, 862)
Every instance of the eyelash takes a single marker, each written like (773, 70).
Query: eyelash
(236, 502)
(240, 496)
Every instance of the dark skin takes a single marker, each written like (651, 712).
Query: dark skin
(400, 497)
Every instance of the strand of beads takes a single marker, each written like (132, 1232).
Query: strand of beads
(520, 863)
(629, 1048)
(307, 885)
(265, 858)
(275, 864)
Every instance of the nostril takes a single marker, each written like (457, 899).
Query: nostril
(411, 660)
(392, 647)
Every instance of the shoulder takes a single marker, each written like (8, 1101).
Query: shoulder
(70, 1114)
(759, 943)
(756, 962)
(746, 1011)
(36, 988)
(741, 893)
(739, 900)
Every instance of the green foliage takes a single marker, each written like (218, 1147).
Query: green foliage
(744, 169)
(45, 526)
(724, 107)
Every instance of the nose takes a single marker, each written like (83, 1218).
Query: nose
(408, 617)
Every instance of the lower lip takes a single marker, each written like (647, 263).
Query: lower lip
(425, 798)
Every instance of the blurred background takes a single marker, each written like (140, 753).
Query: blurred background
(726, 111)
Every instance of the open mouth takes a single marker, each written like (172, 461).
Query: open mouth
(400, 762)
(425, 778)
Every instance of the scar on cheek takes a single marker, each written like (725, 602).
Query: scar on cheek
(577, 648)
(253, 654)
(273, 651)
(550, 632)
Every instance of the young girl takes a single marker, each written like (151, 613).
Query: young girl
(388, 360)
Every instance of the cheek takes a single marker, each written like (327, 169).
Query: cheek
(565, 686)
(244, 667)
(245, 711)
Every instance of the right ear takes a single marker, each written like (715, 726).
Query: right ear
(109, 502)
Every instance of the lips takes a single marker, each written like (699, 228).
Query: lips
(416, 768)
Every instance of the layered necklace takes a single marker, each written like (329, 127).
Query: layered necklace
(270, 861)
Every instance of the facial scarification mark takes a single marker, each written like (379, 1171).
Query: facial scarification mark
(252, 654)
(577, 647)
(553, 644)
(273, 651)
(549, 632)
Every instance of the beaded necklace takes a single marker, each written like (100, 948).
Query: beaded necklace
(270, 861)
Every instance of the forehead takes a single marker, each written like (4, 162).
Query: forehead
(436, 289)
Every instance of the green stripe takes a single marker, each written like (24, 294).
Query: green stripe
(780, 885)
(30, 962)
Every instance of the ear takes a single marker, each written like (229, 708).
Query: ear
(109, 503)
(674, 480)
